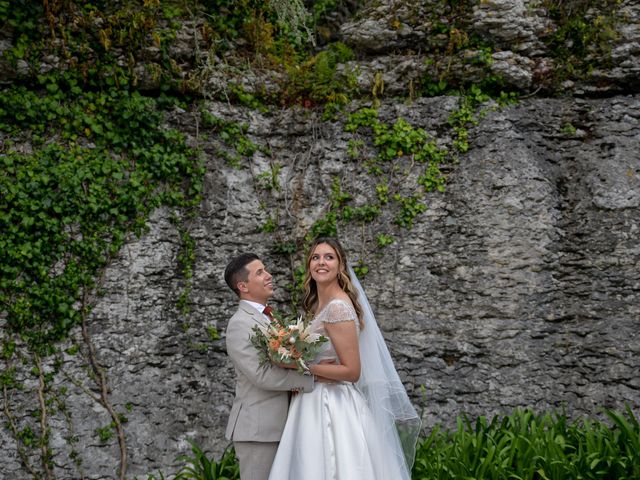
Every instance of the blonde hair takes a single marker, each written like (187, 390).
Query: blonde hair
(310, 297)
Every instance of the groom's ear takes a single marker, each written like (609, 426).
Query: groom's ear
(242, 287)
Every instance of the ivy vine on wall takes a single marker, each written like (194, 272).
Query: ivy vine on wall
(67, 206)
(82, 171)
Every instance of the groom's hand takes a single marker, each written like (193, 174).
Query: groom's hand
(284, 365)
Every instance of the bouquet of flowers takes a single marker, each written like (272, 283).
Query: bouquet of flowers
(285, 342)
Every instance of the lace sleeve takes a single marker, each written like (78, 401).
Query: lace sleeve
(339, 311)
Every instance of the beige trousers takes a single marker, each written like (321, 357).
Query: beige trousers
(255, 459)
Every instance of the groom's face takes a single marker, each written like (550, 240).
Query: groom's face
(259, 286)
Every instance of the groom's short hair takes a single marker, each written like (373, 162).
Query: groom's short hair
(236, 271)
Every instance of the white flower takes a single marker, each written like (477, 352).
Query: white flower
(284, 353)
(311, 337)
(300, 323)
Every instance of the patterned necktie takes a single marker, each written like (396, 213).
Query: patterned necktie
(267, 311)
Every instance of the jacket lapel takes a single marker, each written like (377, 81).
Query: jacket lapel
(253, 313)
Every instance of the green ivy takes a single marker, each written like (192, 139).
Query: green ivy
(393, 142)
(105, 433)
(384, 240)
(233, 136)
(398, 150)
(68, 206)
(410, 208)
(269, 179)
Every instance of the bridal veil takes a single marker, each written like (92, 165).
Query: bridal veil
(395, 416)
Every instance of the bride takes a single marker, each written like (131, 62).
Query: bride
(358, 422)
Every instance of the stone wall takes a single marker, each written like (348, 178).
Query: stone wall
(518, 286)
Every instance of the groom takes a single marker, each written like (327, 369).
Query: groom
(260, 407)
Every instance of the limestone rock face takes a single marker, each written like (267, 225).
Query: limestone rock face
(518, 287)
(404, 39)
(514, 25)
(517, 32)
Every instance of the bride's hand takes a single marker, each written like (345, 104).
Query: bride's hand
(320, 379)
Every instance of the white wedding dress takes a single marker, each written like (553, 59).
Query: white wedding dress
(330, 432)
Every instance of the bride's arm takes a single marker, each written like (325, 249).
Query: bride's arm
(344, 338)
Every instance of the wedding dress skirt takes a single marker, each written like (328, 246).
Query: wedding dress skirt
(331, 435)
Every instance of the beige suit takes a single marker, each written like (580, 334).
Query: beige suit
(260, 407)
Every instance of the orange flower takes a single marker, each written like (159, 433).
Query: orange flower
(274, 343)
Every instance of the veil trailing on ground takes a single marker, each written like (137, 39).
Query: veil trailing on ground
(381, 386)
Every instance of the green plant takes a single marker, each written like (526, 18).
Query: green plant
(584, 34)
(364, 213)
(199, 467)
(354, 148)
(339, 198)
(269, 225)
(568, 129)
(433, 87)
(383, 240)
(410, 208)
(152, 476)
(233, 136)
(466, 114)
(316, 81)
(269, 179)
(517, 446)
(360, 269)
(326, 226)
(392, 144)
(525, 445)
(101, 161)
(213, 333)
(293, 18)
(285, 248)
(105, 433)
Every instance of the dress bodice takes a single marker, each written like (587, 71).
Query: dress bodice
(335, 311)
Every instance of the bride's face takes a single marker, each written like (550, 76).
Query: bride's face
(324, 264)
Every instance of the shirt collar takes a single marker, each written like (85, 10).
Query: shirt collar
(256, 305)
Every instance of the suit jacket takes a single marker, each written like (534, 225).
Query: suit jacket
(260, 407)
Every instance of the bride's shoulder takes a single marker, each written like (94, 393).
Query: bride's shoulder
(344, 300)
(339, 309)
